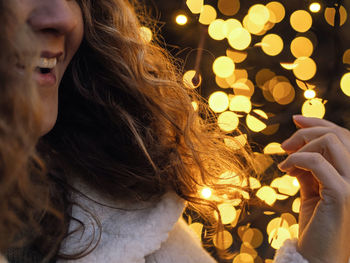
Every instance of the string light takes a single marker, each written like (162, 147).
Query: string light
(181, 19)
(315, 7)
(206, 192)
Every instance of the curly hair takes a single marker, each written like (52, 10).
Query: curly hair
(24, 195)
(126, 125)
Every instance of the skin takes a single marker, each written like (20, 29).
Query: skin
(57, 27)
(319, 156)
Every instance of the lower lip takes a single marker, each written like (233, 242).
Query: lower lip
(48, 79)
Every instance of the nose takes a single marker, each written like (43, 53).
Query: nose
(54, 16)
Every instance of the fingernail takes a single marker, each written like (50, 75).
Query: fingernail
(298, 117)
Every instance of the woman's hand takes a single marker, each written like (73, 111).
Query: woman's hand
(319, 156)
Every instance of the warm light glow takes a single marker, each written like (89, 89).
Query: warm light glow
(255, 124)
(301, 47)
(232, 24)
(217, 29)
(313, 108)
(218, 101)
(243, 257)
(189, 81)
(237, 142)
(195, 6)
(240, 104)
(301, 21)
(315, 7)
(228, 121)
(146, 34)
(277, 11)
(206, 193)
(267, 194)
(259, 14)
(229, 7)
(223, 67)
(239, 38)
(296, 205)
(251, 26)
(309, 94)
(278, 236)
(306, 68)
(237, 56)
(227, 213)
(208, 15)
(195, 105)
(329, 15)
(283, 92)
(345, 84)
(273, 148)
(197, 228)
(224, 236)
(272, 44)
(181, 20)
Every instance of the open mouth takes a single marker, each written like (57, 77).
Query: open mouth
(46, 65)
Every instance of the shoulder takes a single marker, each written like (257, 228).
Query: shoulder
(144, 225)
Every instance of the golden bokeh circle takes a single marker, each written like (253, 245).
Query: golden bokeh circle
(301, 21)
(305, 69)
(301, 47)
(272, 44)
(223, 67)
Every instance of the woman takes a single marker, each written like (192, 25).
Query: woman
(127, 147)
(23, 188)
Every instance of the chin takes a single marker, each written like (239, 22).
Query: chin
(49, 117)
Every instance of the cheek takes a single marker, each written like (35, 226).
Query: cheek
(76, 36)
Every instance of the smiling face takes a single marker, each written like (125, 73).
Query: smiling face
(58, 29)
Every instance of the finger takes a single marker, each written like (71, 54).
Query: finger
(330, 147)
(309, 186)
(304, 136)
(305, 122)
(327, 176)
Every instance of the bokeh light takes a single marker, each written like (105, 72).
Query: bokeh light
(190, 81)
(240, 103)
(305, 68)
(301, 47)
(206, 192)
(195, 6)
(315, 7)
(309, 94)
(345, 84)
(239, 38)
(329, 15)
(277, 11)
(208, 15)
(218, 101)
(272, 44)
(229, 7)
(254, 123)
(217, 29)
(228, 121)
(181, 19)
(146, 34)
(313, 108)
(223, 67)
(301, 21)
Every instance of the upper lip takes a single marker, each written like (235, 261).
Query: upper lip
(49, 54)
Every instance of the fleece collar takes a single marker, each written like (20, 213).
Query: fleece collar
(128, 234)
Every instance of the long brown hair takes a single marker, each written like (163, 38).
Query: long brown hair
(126, 125)
(23, 192)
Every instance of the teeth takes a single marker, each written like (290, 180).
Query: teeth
(47, 63)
